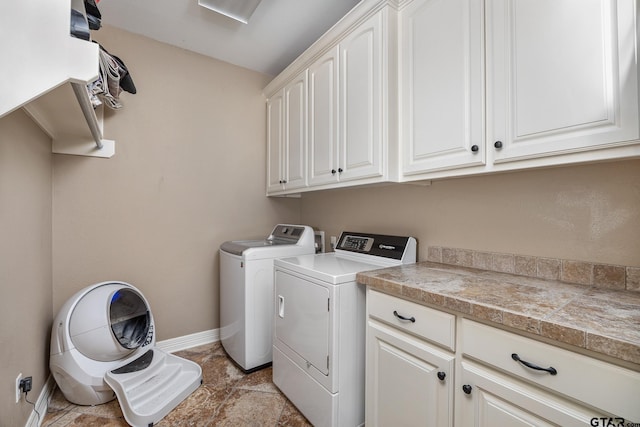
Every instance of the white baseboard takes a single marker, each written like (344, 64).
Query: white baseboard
(188, 341)
(170, 346)
(42, 404)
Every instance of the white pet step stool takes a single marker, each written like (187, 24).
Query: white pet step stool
(151, 386)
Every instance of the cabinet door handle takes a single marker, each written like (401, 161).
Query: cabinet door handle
(406, 319)
(333, 171)
(467, 389)
(551, 370)
(442, 376)
(475, 148)
(339, 170)
(498, 144)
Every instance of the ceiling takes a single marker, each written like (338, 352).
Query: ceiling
(277, 33)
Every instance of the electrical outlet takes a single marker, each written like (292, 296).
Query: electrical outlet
(25, 384)
(18, 379)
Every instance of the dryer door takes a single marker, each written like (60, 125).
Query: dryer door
(302, 319)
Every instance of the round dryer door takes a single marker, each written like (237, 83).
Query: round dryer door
(110, 322)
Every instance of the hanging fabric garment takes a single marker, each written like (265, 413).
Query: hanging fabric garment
(110, 77)
(114, 77)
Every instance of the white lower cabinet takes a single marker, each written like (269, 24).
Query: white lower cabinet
(409, 380)
(491, 399)
(425, 367)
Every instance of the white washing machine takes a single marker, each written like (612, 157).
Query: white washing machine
(320, 320)
(246, 291)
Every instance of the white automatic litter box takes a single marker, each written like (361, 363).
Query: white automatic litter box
(103, 346)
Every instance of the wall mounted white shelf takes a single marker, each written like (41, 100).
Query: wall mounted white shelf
(46, 72)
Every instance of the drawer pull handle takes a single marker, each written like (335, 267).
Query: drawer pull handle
(406, 319)
(551, 370)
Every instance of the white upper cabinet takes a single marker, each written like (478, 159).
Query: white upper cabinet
(295, 130)
(351, 99)
(345, 108)
(441, 82)
(510, 84)
(362, 119)
(410, 90)
(323, 119)
(562, 76)
(287, 137)
(275, 142)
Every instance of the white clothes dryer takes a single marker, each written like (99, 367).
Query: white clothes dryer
(320, 325)
(246, 291)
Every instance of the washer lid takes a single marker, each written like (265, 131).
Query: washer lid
(237, 247)
(282, 234)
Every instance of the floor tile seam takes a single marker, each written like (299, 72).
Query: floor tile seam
(278, 393)
(284, 403)
(217, 409)
(59, 422)
(53, 420)
(86, 410)
(253, 388)
(284, 406)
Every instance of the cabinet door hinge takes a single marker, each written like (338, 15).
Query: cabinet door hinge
(327, 361)
(328, 304)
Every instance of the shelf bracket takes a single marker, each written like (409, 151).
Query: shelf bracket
(87, 109)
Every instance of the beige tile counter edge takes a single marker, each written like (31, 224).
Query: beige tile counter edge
(603, 321)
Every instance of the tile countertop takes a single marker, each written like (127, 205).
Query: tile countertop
(601, 320)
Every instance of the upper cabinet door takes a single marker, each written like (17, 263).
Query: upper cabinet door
(562, 76)
(362, 118)
(323, 119)
(275, 142)
(295, 153)
(441, 85)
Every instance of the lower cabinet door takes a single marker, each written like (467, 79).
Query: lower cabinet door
(487, 398)
(408, 382)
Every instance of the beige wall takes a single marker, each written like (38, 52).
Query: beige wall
(589, 213)
(25, 261)
(188, 174)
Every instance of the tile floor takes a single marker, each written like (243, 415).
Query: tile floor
(227, 397)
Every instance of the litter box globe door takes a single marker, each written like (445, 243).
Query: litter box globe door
(111, 321)
(130, 319)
